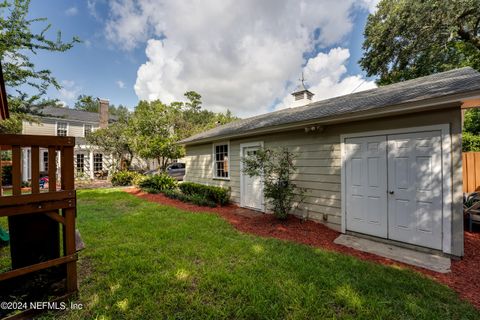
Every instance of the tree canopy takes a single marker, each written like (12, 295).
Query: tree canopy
(471, 123)
(17, 43)
(154, 128)
(406, 39)
(152, 132)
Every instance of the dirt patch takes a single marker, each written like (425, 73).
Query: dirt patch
(464, 278)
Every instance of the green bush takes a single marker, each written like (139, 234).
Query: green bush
(138, 179)
(195, 199)
(276, 167)
(210, 193)
(6, 175)
(124, 178)
(470, 142)
(158, 182)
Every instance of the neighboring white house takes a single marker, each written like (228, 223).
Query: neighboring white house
(385, 162)
(57, 121)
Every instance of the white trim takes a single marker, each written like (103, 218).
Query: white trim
(91, 128)
(447, 186)
(214, 173)
(56, 127)
(243, 146)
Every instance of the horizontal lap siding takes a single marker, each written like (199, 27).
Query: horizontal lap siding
(318, 162)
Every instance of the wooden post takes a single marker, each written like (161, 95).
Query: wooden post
(68, 183)
(35, 169)
(1, 173)
(16, 171)
(52, 169)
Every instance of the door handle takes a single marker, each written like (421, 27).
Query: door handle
(391, 192)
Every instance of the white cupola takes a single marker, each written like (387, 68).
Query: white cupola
(302, 95)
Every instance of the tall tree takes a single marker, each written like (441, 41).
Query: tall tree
(18, 42)
(194, 119)
(406, 39)
(153, 134)
(86, 103)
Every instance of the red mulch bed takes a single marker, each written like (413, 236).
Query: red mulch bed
(464, 277)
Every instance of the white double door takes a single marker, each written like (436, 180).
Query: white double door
(394, 187)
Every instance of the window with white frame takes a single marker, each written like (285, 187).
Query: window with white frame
(221, 164)
(80, 163)
(97, 162)
(45, 161)
(62, 128)
(87, 129)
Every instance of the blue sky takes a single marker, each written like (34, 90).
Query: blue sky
(121, 39)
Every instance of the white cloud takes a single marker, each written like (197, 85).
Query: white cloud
(92, 9)
(120, 84)
(73, 11)
(371, 5)
(69, 92)
(238, 54)
(326, 75)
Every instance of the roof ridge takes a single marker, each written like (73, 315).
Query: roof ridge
(432, 86)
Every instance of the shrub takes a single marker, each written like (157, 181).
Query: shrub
(211, 193)
(6, 175)
(138, 179)
(470, 142)
(276, 168)
(124, 178)
(195, 199)
(158, 182)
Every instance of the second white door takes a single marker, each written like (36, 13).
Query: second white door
(252, 187)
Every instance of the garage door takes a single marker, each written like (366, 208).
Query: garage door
(394, 187)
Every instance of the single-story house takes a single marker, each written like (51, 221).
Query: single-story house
(386, 162)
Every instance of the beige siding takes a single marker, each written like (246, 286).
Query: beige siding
(47, 127)
(319, 162)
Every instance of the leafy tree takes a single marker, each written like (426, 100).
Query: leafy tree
(470, 142)
(86, 103)
(276, 168)
(408, 39)
(89, 103)
(17, 43)
(471, 122)
(194, 100)
(194, 119)
(153, 134)
(114, 140)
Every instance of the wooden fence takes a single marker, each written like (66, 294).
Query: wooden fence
(471, 171)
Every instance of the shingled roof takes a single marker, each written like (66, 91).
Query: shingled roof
(72, 114)
(434, 86)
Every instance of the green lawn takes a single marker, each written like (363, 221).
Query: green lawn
(146, 261)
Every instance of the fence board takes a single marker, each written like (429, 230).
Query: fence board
(471, 171)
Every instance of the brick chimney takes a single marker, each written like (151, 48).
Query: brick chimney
(103, 112)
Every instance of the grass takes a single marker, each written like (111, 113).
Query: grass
(146, 261)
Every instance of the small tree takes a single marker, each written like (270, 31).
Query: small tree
(276, 168)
